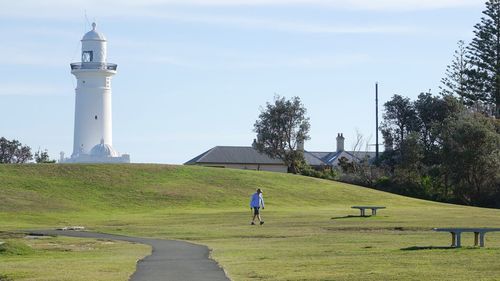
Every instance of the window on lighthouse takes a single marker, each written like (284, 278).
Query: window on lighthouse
(87, 56)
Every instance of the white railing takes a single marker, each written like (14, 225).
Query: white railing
(93, 65)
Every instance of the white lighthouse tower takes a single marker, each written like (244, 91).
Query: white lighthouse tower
(93, 140)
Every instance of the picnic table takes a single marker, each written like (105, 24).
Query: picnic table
(363, 208)
(456, 241)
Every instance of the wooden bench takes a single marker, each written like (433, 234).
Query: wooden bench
(456, 233)
(363, 208)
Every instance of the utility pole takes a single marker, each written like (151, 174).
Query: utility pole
(376, 125)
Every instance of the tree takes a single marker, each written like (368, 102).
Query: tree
(14, 152)
(280, 128)
(431, 112)
(484, 55)
(400, 119)
(410, 167)
(412, 135)
(457, 81)
(43, 157)
(471, 158)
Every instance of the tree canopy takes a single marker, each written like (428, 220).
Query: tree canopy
(280, 128)
(43, 157)
(14, 152)
(474, 74)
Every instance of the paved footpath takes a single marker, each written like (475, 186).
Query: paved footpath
(170, 261)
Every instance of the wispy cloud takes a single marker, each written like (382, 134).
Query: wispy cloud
(56, 9)
(32, 90)
(283, 25)
(33, 58)
(167, 10)
(390, 5)
(186, 137)
(301, 62)
(241, 60)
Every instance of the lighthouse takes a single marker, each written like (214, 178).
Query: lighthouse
(93, 138)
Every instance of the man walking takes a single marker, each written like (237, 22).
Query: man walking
(256, 201)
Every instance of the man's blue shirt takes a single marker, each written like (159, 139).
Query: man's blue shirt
(257, 200)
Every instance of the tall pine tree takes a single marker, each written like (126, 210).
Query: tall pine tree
(484, 55)
(457, 81)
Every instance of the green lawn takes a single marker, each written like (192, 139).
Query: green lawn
(308, 234)
(61, 258)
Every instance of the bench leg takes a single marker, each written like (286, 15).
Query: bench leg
(456, 240)
(481, 239)
(362, 212)
(459, 240)
(374, 212)
(476, 239)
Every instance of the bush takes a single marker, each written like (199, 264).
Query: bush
(328, 174)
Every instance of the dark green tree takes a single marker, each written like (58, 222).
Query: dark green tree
(457, 81)
(14, 152)
(431, 112)
(484, 55)
(43, 157)
(400, 119)
(471, 158)
(281, 126)
(409, 170)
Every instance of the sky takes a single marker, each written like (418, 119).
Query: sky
(194, 74)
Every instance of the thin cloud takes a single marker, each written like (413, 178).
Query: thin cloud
(32, 58)
(283, 25)
(32, 90)
(56, 9)
(302, 62)
(337, 4)
(226, 61)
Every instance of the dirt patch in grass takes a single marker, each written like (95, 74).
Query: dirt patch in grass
(10, 235)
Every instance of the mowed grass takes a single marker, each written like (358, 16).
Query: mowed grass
(61, 258)
(310, 231)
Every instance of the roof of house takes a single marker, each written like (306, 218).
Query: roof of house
(331, 158)
(233, 155)
(249, 155)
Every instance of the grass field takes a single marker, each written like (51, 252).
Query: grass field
(308, 235)
(60, 258)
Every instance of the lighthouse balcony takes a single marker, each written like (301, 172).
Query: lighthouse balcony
(93, 65)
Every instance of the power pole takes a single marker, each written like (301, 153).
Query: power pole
(376, 125)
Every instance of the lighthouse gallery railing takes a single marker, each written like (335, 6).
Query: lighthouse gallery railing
(93, 65)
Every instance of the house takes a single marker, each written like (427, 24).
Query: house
(248, 158)
(321, 160)
(238, 157)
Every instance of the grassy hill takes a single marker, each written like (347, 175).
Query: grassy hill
(308, 235)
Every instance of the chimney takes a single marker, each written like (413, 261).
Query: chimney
(340, 142)
(300, 145)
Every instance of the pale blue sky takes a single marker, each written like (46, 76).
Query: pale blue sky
(192, 74)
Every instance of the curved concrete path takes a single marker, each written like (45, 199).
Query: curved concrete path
(170, 261)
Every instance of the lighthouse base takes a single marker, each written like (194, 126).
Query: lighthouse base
(100, 153)
(87, 158)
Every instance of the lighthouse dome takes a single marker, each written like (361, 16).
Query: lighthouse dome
(93, 35)
(103, 150)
